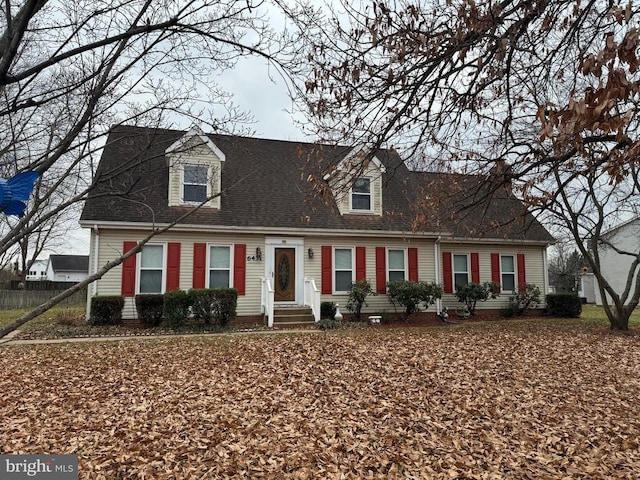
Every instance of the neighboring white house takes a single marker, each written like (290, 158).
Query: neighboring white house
(67, 268)
(38, 271)
(614, 264)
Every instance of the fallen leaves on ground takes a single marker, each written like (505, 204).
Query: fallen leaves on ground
(413, 403)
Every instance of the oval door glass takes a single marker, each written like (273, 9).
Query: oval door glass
(283, 273)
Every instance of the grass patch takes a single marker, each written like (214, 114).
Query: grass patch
(50, 317)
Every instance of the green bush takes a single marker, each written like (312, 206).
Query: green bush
(523, 301)
(567, 305)
(471, 293)
(176, 308)
(360, 290)
(150, 307)
(413, 295)
(202, 300)
(106, 310)
(327, 324)
(327, 310)
(224, 305)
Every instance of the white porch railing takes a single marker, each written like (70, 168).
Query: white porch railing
(312, 297)
(267, 299)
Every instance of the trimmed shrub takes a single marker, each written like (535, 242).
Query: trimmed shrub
(471, 293)
(224, 305)
(202, 300)
(567, 305)
(413, 295)
(150, 307)
(360, 290)
(176, 308)
(327, 310)
(106, 310)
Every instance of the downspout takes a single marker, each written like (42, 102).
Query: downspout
(545, 265)
(436, 253)
(93, 287)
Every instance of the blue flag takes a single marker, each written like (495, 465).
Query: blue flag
(16, 191)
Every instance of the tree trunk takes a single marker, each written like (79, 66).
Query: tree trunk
(619, 318)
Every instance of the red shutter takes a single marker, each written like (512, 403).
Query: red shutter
(447, 272)
(326, 275)
(413, 264)
(240, 268)
(173, 266)
(129, 271)
(199, 264)
(522, 274)
(475, 268)
(495, 268)
(381, 270)
(361, 263)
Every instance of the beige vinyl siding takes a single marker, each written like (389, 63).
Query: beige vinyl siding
(111, 243)
(377, 303)
(342, 191)
(196, 154)
(534, 267)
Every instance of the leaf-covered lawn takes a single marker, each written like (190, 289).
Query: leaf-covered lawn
(512, 402)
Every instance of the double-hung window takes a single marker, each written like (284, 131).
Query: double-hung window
(460, 270)
(397, 265)
(361, 194)
(151, 268)
(508, 273)
(343, 271)
(195, 183)
(219, 266)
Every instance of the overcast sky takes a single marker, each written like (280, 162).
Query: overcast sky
(262, 92)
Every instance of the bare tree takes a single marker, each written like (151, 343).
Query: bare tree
(71, 70)
(544, 93)
(565, 266)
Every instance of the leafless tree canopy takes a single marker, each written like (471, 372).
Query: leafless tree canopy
(71, 70)
(551, 87)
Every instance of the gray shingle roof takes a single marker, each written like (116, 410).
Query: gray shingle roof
(265, 185)
(69, 263)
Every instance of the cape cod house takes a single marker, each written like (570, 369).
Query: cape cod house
(296, 223)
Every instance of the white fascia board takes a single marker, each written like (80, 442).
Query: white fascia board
(445, 237)
(264, 231)
(179, 145)
(494, 241)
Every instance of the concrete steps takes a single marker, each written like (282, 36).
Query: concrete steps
(290, 317)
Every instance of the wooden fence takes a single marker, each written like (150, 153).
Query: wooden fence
(13, 299)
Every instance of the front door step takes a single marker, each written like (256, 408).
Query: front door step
(289, 317)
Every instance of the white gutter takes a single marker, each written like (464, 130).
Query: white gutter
(312, 232)
(92, 290)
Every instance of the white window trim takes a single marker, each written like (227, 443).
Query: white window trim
(351, 193)
(209, 180)
(231, 266)
(353, 267)
(139, 269)
(453, 267)
(514, 273)
(406, 263)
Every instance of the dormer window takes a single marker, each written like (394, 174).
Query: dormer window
(195, 171)
(361, 195)
(195, 183)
